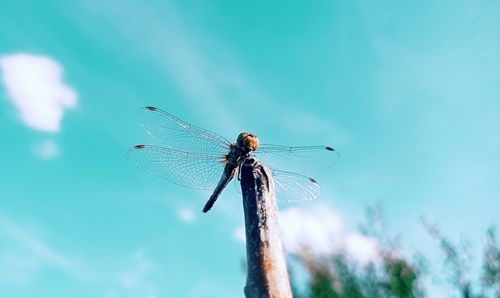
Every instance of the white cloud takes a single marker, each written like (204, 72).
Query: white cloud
(186, 215)
(320, 230)
(34, 84)
(47, 150)
(361, 248)
(239, 234)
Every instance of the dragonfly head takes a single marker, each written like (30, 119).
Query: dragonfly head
(247, 141)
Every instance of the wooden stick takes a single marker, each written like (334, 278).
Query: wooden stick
(267, 275)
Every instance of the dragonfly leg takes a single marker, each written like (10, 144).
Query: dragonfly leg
(239, 172)
(240, 163)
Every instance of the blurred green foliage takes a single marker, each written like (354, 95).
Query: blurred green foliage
(398, 276)
(491, 263)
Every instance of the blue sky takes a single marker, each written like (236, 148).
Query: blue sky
(409, 94)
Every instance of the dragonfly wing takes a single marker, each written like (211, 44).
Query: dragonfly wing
(293, 187)
(194, 170)
(175, 133)
(297, 158)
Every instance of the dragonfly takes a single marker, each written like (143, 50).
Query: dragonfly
(197, 158)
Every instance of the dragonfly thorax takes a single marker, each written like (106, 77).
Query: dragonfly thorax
(247, 142)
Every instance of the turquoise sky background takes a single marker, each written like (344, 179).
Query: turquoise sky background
(409, 94)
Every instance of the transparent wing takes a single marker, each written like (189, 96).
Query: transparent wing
(293, 187)
(175, 133)
(194, 170)
(297, 158)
